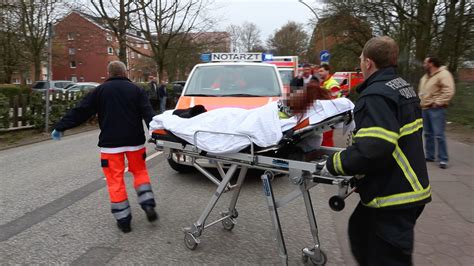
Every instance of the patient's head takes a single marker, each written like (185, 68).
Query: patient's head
(300, 100)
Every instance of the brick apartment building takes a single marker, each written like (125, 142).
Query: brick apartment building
(83, 47)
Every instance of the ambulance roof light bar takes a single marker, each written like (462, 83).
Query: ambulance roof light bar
(235, 57)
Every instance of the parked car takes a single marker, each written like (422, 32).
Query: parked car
(82, 86)
(178, 87)
(56, 85)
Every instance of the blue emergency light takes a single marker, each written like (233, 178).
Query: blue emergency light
(267, 57)
(206, 57)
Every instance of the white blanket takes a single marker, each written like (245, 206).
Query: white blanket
(262, 125)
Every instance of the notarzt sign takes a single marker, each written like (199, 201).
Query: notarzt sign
(226, 57)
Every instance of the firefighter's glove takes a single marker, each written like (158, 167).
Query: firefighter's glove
(56, 135)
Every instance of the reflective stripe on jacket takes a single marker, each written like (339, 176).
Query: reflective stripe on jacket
(387, 148)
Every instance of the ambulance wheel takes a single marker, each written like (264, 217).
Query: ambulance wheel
(181, 168)
(190, 241)
(228, 224)
(336, 203)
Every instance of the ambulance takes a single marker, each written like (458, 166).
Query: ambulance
(287, 67)
(348, 81)
(229, 80)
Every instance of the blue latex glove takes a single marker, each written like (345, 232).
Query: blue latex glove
(56, 135)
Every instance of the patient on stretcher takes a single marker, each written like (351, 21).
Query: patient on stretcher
(229, 130)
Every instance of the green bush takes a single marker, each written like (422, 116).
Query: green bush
(12, 89)
(4, 111)
(461, 109)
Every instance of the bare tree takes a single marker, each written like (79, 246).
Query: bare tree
(235, 34)
(9, 42)
(250, 36)
(290, 39)
(118, 16)
(33, 18)
(164, 22)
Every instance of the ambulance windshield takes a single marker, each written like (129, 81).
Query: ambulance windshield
(233, 80)
(286, 76)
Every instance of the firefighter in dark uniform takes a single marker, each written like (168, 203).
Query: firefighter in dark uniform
(121, 107)
(387, 159)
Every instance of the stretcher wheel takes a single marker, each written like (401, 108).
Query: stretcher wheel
(190, 241)
(180, 167)
(228, 224)
(320, 262)
(337, 203)
(235, 213)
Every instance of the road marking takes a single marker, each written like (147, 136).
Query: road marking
(41, 213)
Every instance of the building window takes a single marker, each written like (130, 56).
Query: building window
(108, 37)
(138, 44)
(72, 64)
(145, 46)
(132, 55)
(72, 51)
(70, 36)
(28, 81)
(16, 81)
(139, 55)
(74, 79)
(110, 50)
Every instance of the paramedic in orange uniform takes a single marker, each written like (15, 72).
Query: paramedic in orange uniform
(330, 84)
(121, 107)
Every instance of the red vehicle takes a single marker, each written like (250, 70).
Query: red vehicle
(348, 81)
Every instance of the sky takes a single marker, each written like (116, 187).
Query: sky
(268, 15)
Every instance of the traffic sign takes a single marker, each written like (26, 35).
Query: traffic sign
(324, 56)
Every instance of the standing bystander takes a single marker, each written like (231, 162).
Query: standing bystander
(153, 93)
(436, 90)
(162, 95)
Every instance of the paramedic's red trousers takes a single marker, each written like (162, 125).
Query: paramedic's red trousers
(113, 166)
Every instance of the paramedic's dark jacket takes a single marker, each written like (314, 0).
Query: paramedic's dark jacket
(387, 146)
(121, 106)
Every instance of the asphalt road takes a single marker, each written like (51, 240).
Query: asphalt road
(55, 210)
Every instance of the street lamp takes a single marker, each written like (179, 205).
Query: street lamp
(317, 17)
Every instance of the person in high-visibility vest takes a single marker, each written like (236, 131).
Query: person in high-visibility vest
(121, 107)
(330, 84)
(387, 159)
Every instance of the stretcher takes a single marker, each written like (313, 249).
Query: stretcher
(278, 159)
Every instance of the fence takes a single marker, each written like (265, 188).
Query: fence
(28, 110)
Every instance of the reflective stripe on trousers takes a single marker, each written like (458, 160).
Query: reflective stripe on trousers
(145, 195)
(121, 210)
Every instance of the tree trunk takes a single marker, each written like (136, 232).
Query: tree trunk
(423, 36)
(449, 32)
(37, 66)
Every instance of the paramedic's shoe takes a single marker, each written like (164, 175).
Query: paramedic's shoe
(150, 212)
(443, 165)
(124, 227)
(429, 160)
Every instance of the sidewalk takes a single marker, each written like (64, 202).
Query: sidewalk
(444, 234)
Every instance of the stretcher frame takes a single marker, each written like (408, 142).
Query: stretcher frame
(304, 175)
